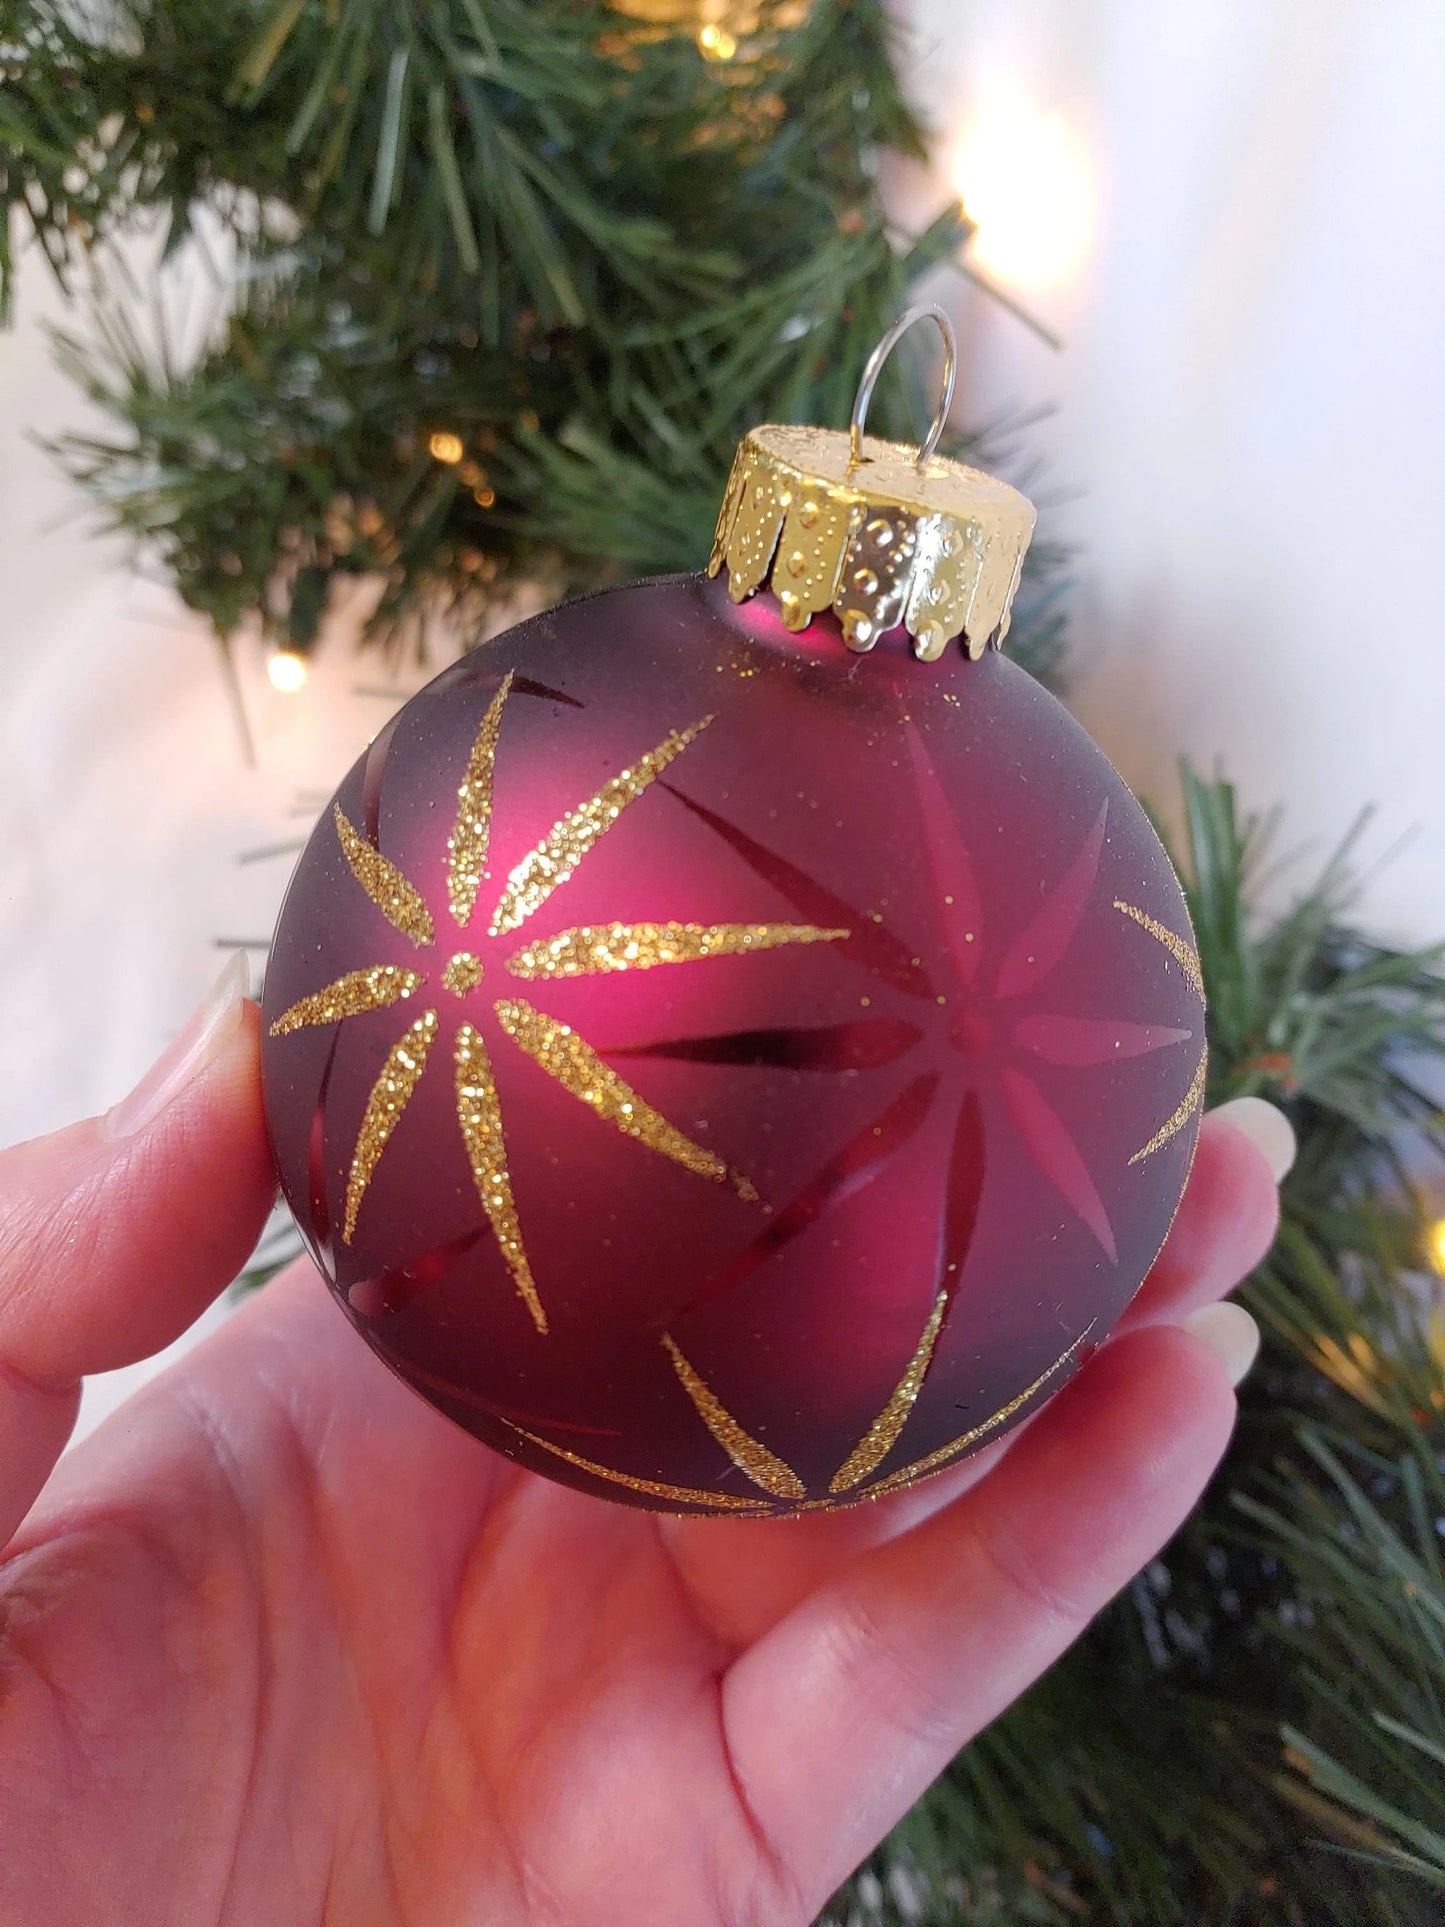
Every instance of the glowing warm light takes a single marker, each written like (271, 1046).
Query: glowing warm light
(1026, 184)
(287, 670)
(1435, 1245)
(716, 42)
(445, 446)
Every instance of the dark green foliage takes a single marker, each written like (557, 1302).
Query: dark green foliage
(1367, 1543)
(592, 254)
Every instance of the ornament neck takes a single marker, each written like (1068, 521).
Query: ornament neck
(880, 532)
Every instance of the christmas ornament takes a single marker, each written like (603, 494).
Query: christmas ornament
(726, 1059)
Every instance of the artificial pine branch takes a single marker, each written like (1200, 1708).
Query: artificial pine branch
(1367, 1541)
(585, 255)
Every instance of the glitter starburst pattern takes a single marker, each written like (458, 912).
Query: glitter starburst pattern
(560, 1051)
(815, 1204)
(988, 1025)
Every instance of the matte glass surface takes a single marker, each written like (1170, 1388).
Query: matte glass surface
(751, 1074)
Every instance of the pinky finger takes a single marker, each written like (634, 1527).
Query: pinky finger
(1228, 1215)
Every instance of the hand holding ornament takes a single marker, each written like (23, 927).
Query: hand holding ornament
(731, 1072)
(281, 1643)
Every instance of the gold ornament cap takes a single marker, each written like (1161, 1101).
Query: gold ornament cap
(879, 532)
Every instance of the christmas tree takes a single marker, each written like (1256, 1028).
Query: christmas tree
(509, 279)
(513, 279)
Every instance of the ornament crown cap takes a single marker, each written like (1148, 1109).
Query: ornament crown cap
(880, 532)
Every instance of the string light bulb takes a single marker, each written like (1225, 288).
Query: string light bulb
(716, 42)
(287, 670)
(1435, 1245)
(446, 447)
(1027, 186)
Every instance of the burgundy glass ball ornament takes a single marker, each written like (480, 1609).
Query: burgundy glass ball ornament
(725, 1069)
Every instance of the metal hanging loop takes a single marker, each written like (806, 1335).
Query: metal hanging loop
(880, 354)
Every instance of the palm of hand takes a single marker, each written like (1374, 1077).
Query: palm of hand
(362, 1669)
(280, 1644)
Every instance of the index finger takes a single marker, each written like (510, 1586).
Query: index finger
(116, 1232)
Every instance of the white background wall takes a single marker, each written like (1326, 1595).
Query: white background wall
(1250, 409)
(1247, 429)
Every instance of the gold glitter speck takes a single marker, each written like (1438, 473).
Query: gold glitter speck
(480, 1117)
(388, 889)
(594, 948)
(1176, 1122)
(390, 1094)
(882, 1435)
(1183, 953)
(467, 844)
(547, 867)
(463, 973)
(578, 1069)
(748, 1454)
(353, 995)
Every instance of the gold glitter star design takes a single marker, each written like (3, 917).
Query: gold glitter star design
(851, 1484)
(1039, 948)
(587, 950)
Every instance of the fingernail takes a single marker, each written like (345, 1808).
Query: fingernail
(207, 1031)
(1266, 1127)
(1230, 1333)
